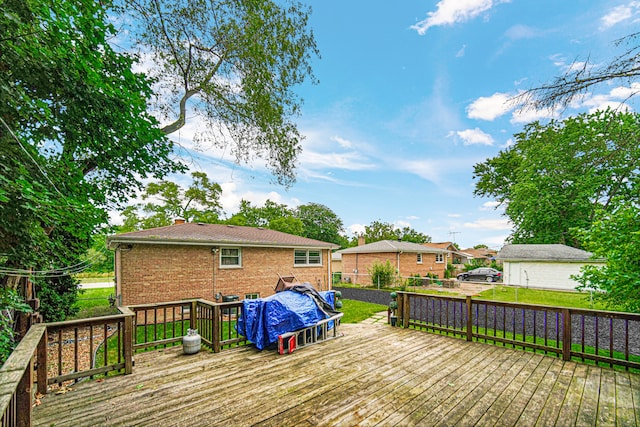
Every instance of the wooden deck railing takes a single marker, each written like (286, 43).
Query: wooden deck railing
(603, 337)
(84, 348)
(17, 373)
(163, 324)
(57, 354)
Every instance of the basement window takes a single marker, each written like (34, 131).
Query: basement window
(302, 257)
(230, 257)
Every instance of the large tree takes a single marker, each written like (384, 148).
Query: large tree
(556, 176)
(166, 201)
(272, 215)
(75, 137)
(614, 236)
(582, 76)
(320, 223)
(234, 64)
(379, 230)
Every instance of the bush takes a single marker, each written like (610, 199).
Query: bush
(382, 274)
(414, 280)
(10, 303)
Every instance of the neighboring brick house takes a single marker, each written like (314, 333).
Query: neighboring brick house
(408, 258)
(195, 260)
(485, 255)
(452, 256)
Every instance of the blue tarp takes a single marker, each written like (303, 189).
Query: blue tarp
(264, 319)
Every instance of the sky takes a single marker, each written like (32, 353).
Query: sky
(412, 94)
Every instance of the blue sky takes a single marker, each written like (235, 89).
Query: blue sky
(412, 94)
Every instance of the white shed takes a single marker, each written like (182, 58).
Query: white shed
(544, 266)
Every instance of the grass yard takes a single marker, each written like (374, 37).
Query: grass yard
(94, 303)
(357, 311)
(542, 297)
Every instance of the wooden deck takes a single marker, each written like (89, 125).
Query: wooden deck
(374, 375)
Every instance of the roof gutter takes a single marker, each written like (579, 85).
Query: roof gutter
(112, 243)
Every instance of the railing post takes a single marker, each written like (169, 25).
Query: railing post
(23, 396)
(41, 363)
(193, 315)
(566, 334)
(128, 344)
(400, 309)
(217, 332)
(406, 309)
(469, 319)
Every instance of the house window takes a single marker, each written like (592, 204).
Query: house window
(419, 258)
(252, 296)
(439, 257)
(307, 257)
(230, 257)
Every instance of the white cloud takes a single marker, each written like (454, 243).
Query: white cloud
(344, 143)
(350, 161)
(618, 14)
(529, 115)
(461, 52)
(356, 229)
(489, 107)
(489, 224)
(402, 224)
(322, 151)
(454, 215)
(426, 169)
(475, 136)
(489, 206)
(450, 12)
(518, 32)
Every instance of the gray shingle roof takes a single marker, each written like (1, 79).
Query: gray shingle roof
(391, 246)
(217, 234)
(540, 252)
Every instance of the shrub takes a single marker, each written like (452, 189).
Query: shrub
(10, 303)
(414, 280)
(382, 274)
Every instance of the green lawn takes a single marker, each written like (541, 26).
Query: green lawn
(94, 303)
(94, 277)
(357, 311)
(542, 297)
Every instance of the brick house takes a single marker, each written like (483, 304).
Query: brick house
(195, 260)
(408, 258)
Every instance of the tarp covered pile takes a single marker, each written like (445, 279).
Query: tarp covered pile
(263, 319)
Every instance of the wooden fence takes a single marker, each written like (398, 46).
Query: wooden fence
(603, 337)
(54, 355)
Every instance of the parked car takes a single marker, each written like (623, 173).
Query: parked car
(481, 274)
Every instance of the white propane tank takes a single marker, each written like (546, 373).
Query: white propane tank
(191, 342)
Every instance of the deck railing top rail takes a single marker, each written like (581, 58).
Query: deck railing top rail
(604, 337)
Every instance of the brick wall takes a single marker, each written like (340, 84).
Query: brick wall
(158, 273)
(408, 265)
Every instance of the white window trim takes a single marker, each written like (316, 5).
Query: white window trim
(441, 256)
(419, 258)
(307, 264)
(223, 266)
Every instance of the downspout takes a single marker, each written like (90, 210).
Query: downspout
(117, 268)
(329, 276)
(214, 252)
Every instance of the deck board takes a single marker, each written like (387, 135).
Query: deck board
(373, 376)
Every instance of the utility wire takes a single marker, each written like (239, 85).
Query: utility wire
(54, 272)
